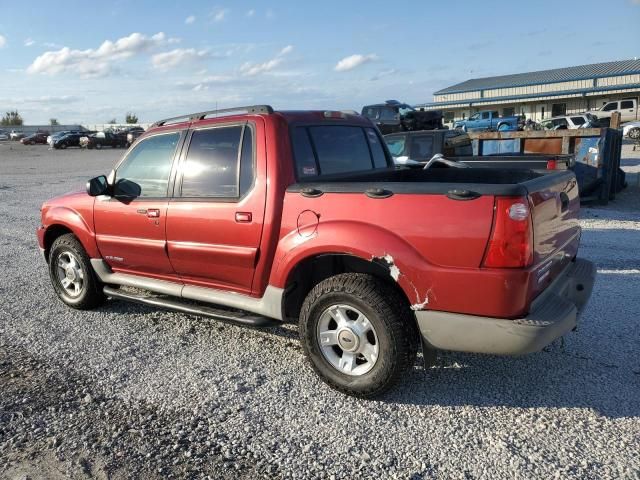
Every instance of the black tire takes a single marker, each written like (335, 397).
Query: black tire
(98, 146)
(390, 316)
(63, 146)
(91, 294)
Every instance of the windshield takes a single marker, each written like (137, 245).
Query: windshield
(405, 109)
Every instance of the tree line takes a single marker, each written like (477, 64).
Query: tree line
(14, 119)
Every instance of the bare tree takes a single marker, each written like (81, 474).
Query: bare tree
(53, 122)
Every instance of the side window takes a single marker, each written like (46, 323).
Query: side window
(211, 167)
(578, 120)
(626, 104)
(145, 171)
(610, 107)
(340, 149)
(485, 115)
(303, 153)
(377, 151)
(388, 113)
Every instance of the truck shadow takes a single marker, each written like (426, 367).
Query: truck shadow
(551, 379)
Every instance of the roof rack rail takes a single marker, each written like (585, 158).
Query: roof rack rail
(191, 117)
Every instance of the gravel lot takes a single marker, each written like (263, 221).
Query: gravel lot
(128, 392)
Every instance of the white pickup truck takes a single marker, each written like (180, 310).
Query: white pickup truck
(628, 109)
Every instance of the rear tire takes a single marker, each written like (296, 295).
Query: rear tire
(358, 334)
(634, 133)
(72, 276)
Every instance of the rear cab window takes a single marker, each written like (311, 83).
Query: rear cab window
(335, 149)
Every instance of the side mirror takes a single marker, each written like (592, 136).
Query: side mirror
(97, 186)
(127, 189)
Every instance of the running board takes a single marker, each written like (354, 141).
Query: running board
(240, 318)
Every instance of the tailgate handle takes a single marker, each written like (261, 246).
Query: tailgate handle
(311, 192)
(462, 194)
(378, 193)
(564, 202)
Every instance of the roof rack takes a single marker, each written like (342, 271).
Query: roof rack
(192, 117)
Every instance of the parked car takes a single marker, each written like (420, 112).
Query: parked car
(67, 140)
(570, 122)
(16, 136)
(35, 138)
(631, 130)
(452, 148)
(302, 217)
(393, 116)
(4, 135)
(489, 120)
(104, 139)
(132, 134)
(628, 109)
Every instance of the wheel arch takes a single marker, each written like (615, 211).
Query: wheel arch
(60, 221)
(313, 269)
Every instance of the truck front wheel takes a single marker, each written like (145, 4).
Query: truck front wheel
(71, 274)
(358, 334)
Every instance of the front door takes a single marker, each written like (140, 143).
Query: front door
(130, 225)
(215, 218)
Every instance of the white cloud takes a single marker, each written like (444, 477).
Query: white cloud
(219, 14)
(353, 61)
(251, 69)
(178, 56)
(96, 62)
(251, 13)
(270, 14)
(207, 82)
(28, 42)
(3, 41)
(190, 19)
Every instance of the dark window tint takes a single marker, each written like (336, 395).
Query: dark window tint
(377, 151)
(626, 104)
(578, 120)
(610, 106)
(340, 149)
(303, 153)
(211, 167)
(485, 115)
(421, 148)
(149, 163)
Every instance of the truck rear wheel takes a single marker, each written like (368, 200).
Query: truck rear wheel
(71, 274)
(358, 334)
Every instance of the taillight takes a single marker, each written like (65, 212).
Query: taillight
(511, 240)
(552, 164)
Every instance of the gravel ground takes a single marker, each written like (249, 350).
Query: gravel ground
(128, 392)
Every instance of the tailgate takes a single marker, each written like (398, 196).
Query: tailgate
(555, 205)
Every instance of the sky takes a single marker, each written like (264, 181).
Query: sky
(89, 62)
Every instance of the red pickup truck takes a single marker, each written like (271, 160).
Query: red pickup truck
(255, 217)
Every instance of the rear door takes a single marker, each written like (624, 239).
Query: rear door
(130, 225)
(216, 216)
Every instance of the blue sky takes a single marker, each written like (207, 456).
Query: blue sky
(93, 61)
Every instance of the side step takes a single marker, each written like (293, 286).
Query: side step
(240, 318)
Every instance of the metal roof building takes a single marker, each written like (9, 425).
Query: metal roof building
(541, 94)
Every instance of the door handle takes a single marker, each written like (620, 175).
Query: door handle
(153, 213)
(243, 217)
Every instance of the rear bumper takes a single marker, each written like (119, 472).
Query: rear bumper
(554, 313)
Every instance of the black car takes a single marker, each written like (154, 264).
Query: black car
(104, 139)
(71, 139)
(393, 116)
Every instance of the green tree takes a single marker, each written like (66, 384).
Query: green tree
(53, 122)
(131, 118)
(11, 118)
(112, 121)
